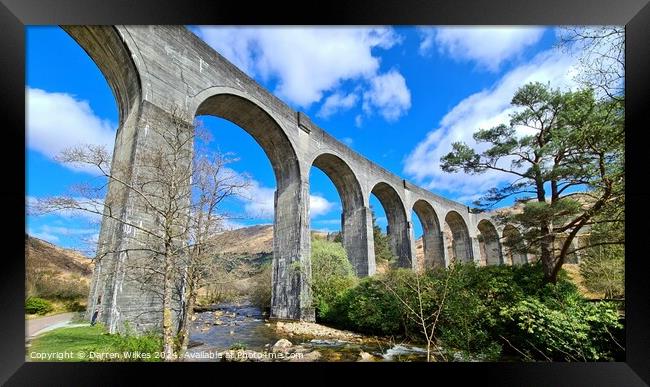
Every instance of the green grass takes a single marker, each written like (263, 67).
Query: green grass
(93, 344)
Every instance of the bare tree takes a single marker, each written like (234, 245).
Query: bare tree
(423, 303)
(213, 182)
(176, 193)
(601, 54)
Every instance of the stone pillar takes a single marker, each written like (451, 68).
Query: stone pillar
(291, 294)
(372, 263)
(418, 266)
(474, 249)
(448, 246)
(434, 254)
(400, 241)
(358, 242)
(127, 277)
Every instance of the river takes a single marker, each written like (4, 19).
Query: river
(244, 326)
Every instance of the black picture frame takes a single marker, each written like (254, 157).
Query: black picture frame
(635, 14)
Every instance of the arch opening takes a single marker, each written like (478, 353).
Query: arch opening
(489, 245)
(515, 248)
(262, 127)
(457, 240)
(290, 295)
(432, 240)
(354, 215)
(398, 228)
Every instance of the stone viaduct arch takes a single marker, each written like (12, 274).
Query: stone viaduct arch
(513, 246)
(251, 116)
(398, 224)
(434, 255)
(489, 245)
(154, 69)
(458, 242)
(353, 217)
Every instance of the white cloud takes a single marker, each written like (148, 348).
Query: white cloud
(309, 63)
(489, 47)
(358, 120)
(388, 94)
(67, 231)
(259, 200)
(427, 36)
(337, 102)
(348, 141)
(56, 121)
(89, 210)
(53, 234)
(484, 109)
(318, 205)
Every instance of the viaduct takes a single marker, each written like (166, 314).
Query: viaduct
(151, 68)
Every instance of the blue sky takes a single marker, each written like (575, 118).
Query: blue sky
(399, 96)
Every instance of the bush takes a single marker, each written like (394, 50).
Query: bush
(35, 305)
(576, 331)
(368, 308)
(261, 290)
(486, 310)
(147, 343)
(331, 276)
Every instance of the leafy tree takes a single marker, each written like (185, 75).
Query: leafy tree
(382, 243)
(556, 144)
(332, 275)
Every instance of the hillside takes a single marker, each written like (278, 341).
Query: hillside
(63, 263)
(247, 240)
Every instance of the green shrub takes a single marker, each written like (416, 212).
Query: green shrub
(573, 331)
(131, 342)
(260, 294)
(486, 310)
(369, 308)
(331, 276)
(35, 305)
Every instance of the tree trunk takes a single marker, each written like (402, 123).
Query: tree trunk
(547, 256)
(184, 331)
(168, 335)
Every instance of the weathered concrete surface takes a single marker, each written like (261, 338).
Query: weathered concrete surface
(154, 68)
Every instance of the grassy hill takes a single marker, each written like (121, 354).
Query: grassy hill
(65, 263)
(59, 275)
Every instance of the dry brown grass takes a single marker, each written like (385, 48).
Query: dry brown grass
(573, 270)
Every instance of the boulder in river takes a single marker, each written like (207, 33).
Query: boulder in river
(281, 345)
(365, 356)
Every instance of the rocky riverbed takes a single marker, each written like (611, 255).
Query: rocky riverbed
(241, 332)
